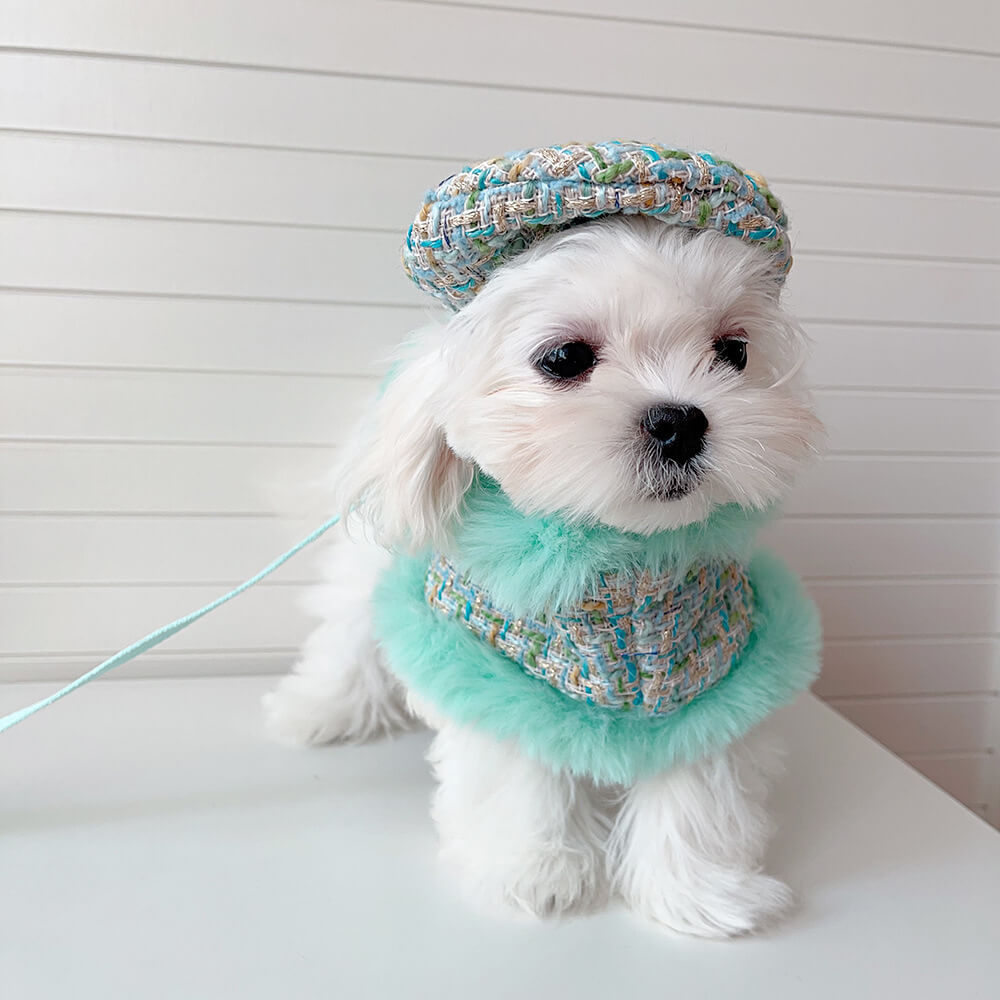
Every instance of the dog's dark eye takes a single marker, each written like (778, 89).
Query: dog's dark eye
(732, 351)
(568, 361)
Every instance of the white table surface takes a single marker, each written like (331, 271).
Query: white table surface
(154, 845)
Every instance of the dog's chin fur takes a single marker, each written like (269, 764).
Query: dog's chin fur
(683, 847)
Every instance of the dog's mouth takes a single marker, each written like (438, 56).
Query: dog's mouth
(672, 492)
(665, 480)
(669, 491)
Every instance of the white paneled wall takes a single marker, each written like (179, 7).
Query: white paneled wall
(201, 205)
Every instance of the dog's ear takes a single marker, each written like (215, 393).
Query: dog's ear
(401, 476)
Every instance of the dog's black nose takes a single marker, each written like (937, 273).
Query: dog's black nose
(679, 430)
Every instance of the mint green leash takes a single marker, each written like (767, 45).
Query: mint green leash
(163, 632)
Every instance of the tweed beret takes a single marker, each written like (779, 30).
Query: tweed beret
(476, 219)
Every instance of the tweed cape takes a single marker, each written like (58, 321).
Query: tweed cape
(529, 564)
(476, 219)
(636, 641)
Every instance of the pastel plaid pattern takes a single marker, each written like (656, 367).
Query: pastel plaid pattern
(636, 642)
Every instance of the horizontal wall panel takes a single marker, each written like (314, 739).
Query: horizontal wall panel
(162, 406)
(198, 663)
(191, 479)
(119, 549)
(214, 259)
(914, 666)
(858, 421)
(897, 486)
(827, 218)
(161, 479)
(352, 38)
(108, 618)
(254, 409)
(42, 328)
(969, 665)
(966, 24)
(847, 548)
(893, 291)
(966, 777)
(901, 357)
(869, 609)
(925, 725)
(198, 258)
(263, 108)
(272, 337)
(140, 177)
(199, 181)
(105, 618)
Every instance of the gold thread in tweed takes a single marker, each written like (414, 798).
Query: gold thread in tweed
(473, 221)
(635, 642)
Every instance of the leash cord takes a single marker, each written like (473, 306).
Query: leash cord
(163, 632)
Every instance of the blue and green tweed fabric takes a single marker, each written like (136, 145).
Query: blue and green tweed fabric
(636, 641)
(476, 219)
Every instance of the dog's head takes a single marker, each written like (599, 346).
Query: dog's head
(621, 371)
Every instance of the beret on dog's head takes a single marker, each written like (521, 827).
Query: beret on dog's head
(476, 219)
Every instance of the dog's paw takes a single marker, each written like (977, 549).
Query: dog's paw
(312, 706)
(297, 718)
(553, 883)
(736, 904)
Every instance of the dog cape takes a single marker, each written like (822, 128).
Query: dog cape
(539, 567)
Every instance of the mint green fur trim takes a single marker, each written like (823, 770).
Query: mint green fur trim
(473, 685)
(530, 563)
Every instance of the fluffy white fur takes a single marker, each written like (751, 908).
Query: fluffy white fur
(339, 690)
(519, 835)
(687, 846)
(683, 848)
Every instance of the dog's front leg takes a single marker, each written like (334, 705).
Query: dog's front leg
(687, 847)
(339, 690)
(522, 836)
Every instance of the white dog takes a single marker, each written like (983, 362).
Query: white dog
(622, 371)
